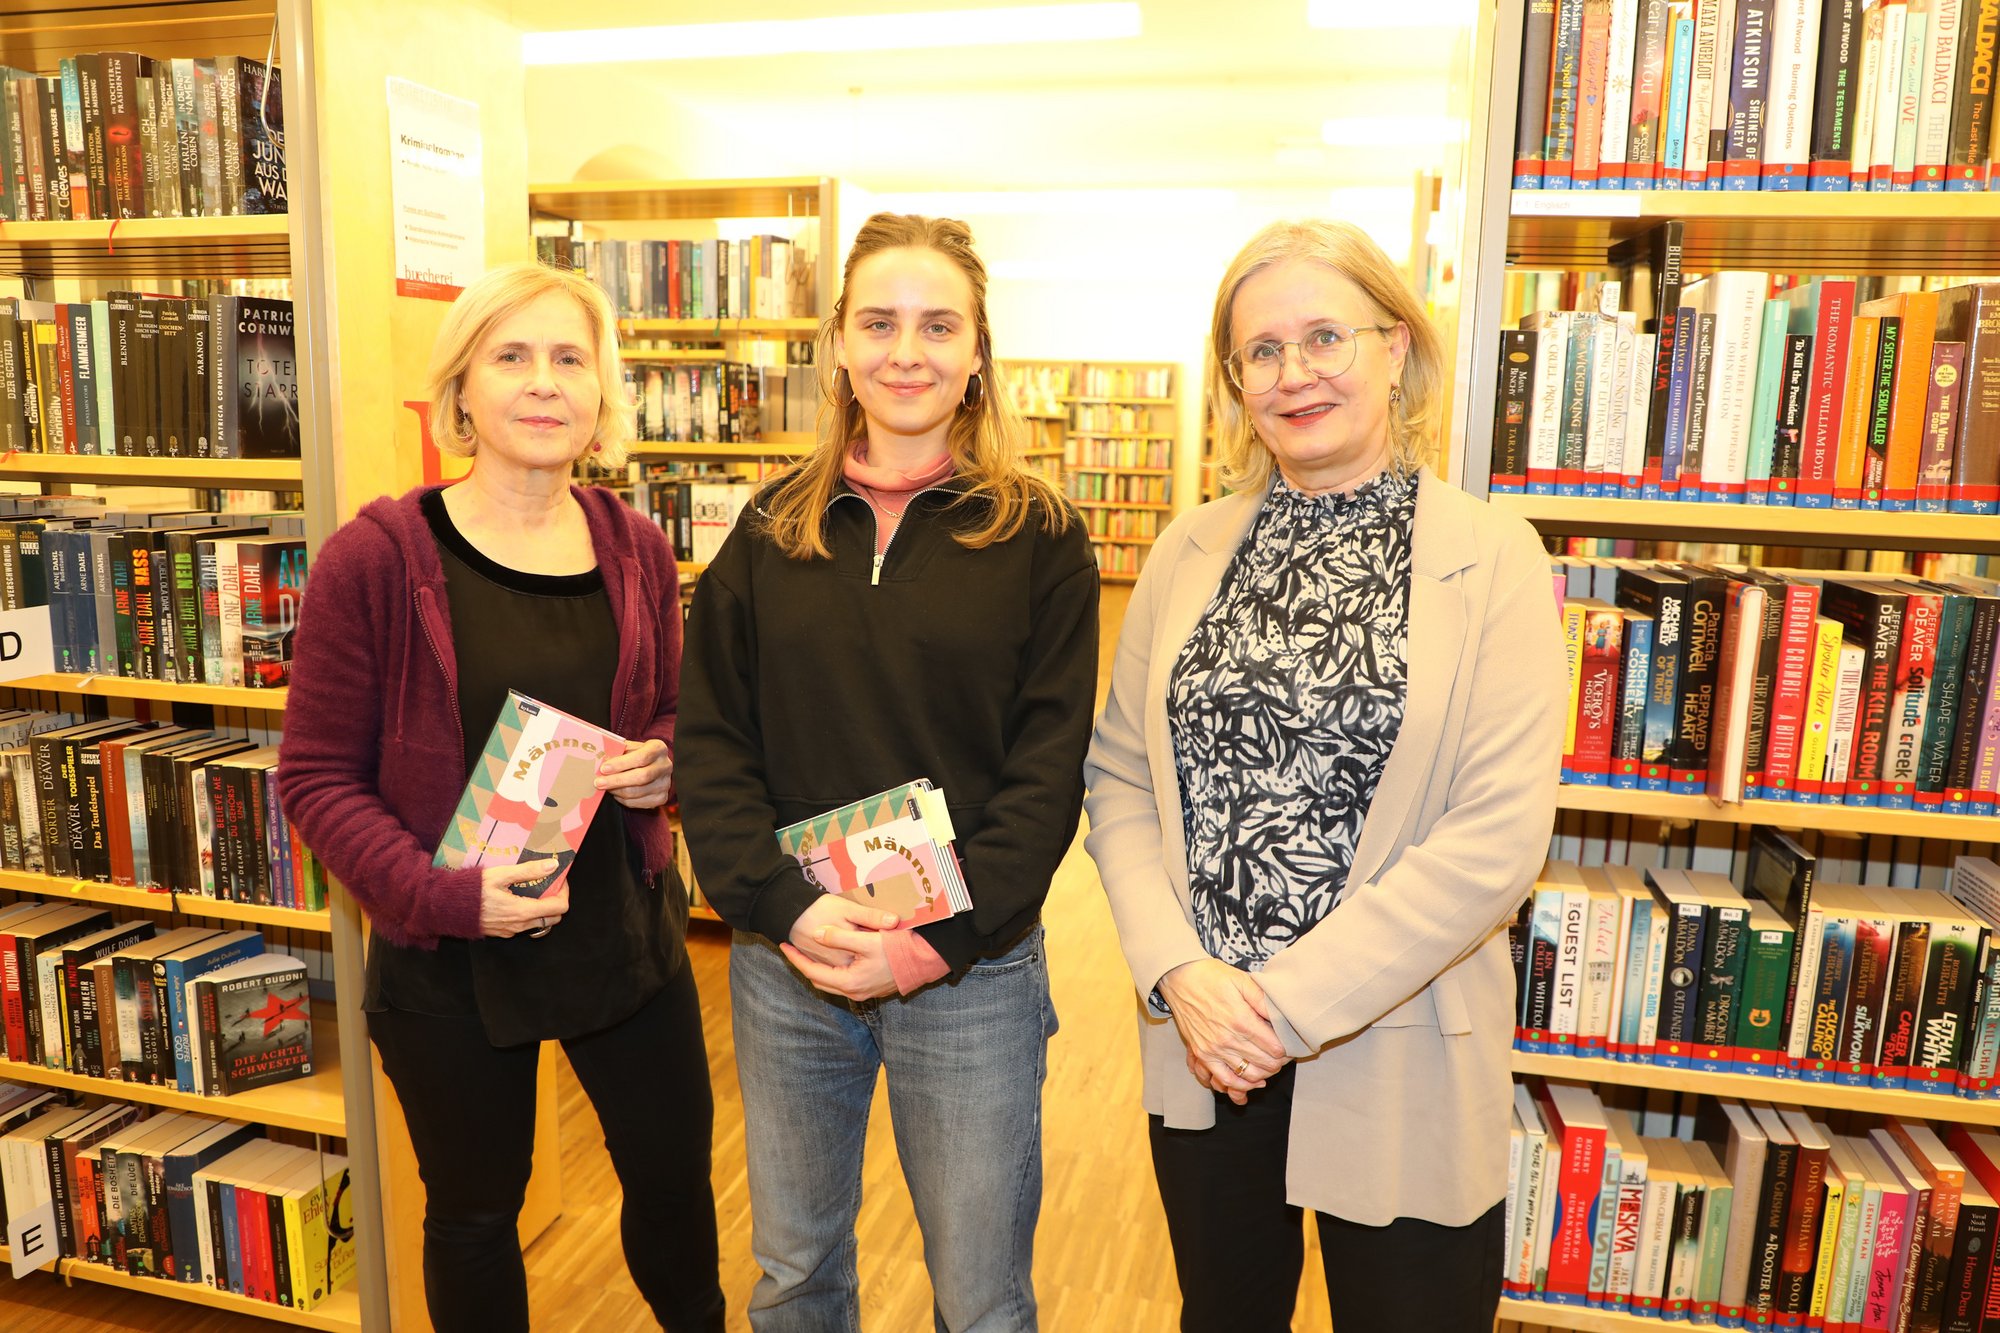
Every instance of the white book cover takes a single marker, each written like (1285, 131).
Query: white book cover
(1618, 88)
(1656, 974)
(1517, 1145)
(1606, 1209)
(1867, 88)
(48, 976)
(1545, 419)
(1598, 457)
(1600, 965)
(1743, 1160)
(1888, 93)
(1788, 110)
(1934, 111)
(1567, 1011)
(1656, 1235)
(1705, 71)
(1624, 332)
(1627, 968)
(1736, 298)
(1639, 402)
(1914, 47)
(1529, 1239)
(1630, 1210)
(1811, 935)
(1840, 731)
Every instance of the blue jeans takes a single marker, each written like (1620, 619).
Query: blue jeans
(965, 1063)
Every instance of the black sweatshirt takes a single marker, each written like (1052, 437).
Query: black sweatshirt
(806, 685)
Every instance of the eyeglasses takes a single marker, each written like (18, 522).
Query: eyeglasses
(1327, 351)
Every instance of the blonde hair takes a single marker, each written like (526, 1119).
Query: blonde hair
(985, 439)
(1241, 457)
(501, 294)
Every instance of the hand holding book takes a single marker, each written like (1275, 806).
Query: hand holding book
(504, 913)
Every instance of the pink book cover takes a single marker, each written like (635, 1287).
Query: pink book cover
(891, 850)
(532, 795)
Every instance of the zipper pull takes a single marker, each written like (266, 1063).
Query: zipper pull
(875, 578)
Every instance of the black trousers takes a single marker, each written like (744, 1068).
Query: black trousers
(1239, 1247)
(471, 1109)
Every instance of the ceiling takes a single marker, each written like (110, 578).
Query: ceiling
(1228, 95)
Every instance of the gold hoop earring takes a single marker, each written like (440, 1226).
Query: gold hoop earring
(843, 388)
(1395, 394)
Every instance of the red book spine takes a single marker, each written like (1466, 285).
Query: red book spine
(1580, 1174)
(1797, 633)
(117, 820)
(253, 1226)
(11, 1010)
(1819, 440)
(65, 379)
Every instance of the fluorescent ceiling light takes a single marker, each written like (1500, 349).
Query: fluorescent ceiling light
(862, 32)
(1352, 14)
(988, 203)
(1392, 131)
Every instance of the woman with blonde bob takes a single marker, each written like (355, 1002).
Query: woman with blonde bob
(908, 603)
(1322, 782)
(422, 613)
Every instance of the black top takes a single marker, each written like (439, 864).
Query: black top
(551, 637)
(810, 683)
(1283, 707)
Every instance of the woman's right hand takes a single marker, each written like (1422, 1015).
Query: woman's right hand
(1225, 1022)
(821, 928)
(504, 913)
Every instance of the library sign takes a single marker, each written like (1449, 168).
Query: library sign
(436, 191)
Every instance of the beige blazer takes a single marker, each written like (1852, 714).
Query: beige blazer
(1399, 1006)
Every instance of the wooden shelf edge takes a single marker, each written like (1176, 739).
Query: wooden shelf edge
(1765, 524)
(146, 900)
(1779, 814)
(340, 1311)
(159, 691)
(1783, 1091)
(1578, 1318)
(275, 474)
(300, 1104)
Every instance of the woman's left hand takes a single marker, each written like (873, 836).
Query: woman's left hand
(640, 777)
(868, 977)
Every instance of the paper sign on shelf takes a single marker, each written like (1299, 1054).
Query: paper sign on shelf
(436, 189)
(27, 643)
(31, 1237)
(1576, 203)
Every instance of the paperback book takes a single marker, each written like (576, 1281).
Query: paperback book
(892, 850)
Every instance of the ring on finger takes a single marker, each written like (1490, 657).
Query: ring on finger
(1241, 1066)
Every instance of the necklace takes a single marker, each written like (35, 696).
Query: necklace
(882, 505)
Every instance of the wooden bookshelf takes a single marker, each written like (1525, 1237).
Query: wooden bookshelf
(157, 691)
(149, 900)
(694, 200)
(259, 474)
(1121, 504)
(1783, 525)
(1123, 402)
(783, 447)
(338, 1313)
(1750, 1087)
(313, 1103)
(173, 248)
(1580, 1318)
(1779, 232)
(1673, 808)
(719, 330)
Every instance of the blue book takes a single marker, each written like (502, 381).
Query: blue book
(1680, 991)
(1821, 1061)
(1629, 740)
(1678, 394)
(232, 1238)
(1674, 149)
(178, 1166)
(172, 972)
(1638, 946)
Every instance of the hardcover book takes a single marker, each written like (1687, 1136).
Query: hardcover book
(255, 1024)
(892, 850)
(532, 795)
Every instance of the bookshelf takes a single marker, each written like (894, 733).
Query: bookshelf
(1118, 457)
(1613, 231)
(71, 261)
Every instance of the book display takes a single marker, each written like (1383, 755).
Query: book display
(1763, 1103)
(1118, 459)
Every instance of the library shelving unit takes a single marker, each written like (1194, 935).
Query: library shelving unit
(89, 256)
(1118, 459)
(1860, 233)
(1038, 389)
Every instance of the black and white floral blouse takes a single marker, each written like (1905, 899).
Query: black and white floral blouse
(1284, 704)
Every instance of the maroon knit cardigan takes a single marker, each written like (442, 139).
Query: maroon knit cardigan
(373, 759)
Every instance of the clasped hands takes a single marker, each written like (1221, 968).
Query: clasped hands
(837, 946)
(1225, 1022)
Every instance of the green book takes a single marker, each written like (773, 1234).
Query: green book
(1760, 1009)
(1764, 399)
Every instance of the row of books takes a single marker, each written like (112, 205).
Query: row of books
(1805, 398)
(1748, 684)
(711, 404)
(147, 805)
(1084, 451)
(696, 514)
(1111, 418)
(1830, 95)
(188, 597)
(1855, 985)
(1120, 561)
(1037, 389)
(760, 277)
(203, 1011)
(1752, 1216)
(1142, 523)
(1124, 382)
(116, 134)
(135, 376)
(179, 1196)
(1116, 488)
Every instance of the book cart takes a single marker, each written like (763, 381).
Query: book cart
(1118, 458)
(1790, 232)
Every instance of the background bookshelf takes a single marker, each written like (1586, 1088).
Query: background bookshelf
(1615, 233)
(1118, 457)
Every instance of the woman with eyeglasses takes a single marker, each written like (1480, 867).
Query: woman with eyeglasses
(1321, 785)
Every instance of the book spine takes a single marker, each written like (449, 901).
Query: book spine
(1510, 421)
(1794, 52)
(1938, 63)
(1749, 91)
(1834, 104)
(1970, 143)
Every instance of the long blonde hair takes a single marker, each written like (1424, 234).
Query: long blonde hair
(1242, 460)
(984, 439)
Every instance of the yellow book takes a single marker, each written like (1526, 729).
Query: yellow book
(1821, 686)
(1851, 462)
(1575, 611)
